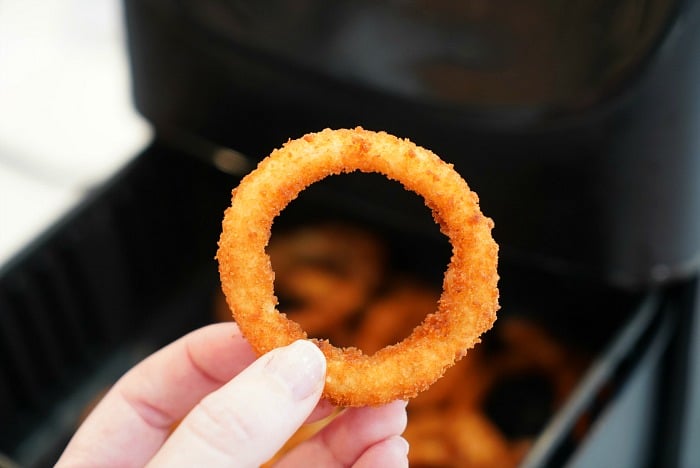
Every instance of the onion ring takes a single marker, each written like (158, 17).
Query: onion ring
(327, 271)
(467, 306)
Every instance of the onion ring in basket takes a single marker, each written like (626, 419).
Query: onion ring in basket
(467, 306)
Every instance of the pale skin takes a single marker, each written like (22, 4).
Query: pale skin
(231, 410)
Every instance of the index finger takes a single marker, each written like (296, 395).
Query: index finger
(136, 416)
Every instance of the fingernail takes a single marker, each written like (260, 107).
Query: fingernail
(301, 366)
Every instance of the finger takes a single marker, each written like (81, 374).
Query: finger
(249, 419)
(323, 409)
(352, 433)
(389, 452)
(133, 420)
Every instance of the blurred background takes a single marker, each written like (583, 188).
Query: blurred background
(67, 121)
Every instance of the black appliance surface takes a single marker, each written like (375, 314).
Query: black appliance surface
(576, 125)
(133, 268)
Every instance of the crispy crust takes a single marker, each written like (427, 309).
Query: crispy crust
(469, 301)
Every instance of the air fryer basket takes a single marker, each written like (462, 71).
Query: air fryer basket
(600, 182)
(133, 268)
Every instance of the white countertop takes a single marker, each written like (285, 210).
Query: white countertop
(66, 117)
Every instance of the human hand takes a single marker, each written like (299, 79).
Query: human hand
(238, 411)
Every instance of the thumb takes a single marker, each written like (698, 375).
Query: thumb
(247, 420)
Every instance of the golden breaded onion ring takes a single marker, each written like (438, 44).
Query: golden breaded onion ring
(469, 301)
